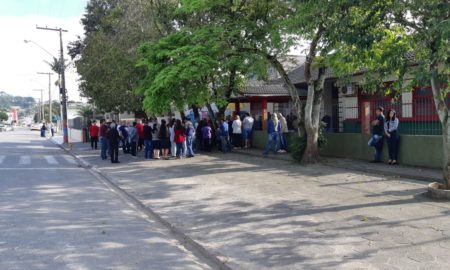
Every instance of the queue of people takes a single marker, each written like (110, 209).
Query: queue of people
(170, 139)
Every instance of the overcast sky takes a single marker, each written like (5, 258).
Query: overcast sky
(20, 61)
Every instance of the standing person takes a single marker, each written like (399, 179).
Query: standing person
(133, 139)
(230, 127)
(140, 131)
(103, 140)
(393, 138)
(179, 138)
(93, 132)
(283, 132)
(173, 145)
(224, 136)
(52, 129)
(124, 131)
(43, 129)
(164, 139)
(184, 123)
(190, 136)
(207, 137)
(114, 140)
(248, 127)
(148, 149)
(156, 143)
(272, 132)
(377, 135)
(237, 132)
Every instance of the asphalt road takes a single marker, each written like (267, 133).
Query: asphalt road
(56, 215)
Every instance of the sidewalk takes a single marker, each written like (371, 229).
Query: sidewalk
(424, 174)
(264, 213)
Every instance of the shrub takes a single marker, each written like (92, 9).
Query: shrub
(298, 144)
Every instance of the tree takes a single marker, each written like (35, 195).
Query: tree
(105, 58)
(3, 116)
(408, 39)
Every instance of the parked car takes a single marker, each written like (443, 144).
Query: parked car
(35, 126)
(9, 128)
(2, 127)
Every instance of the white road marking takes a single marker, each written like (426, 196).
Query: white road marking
(2, 158)
(70, 159)
(51, 160)
(25, 160)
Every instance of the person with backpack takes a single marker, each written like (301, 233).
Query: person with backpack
(179, 138)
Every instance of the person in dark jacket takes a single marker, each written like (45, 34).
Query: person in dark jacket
(114, 139)
(377, 135)
(272, 133)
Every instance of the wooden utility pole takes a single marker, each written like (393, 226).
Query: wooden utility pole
(50, 120)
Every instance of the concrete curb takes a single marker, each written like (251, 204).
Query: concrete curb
(419, 177)
(189, 243)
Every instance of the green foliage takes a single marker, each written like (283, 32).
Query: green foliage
(3, 116)
(298, 144)
(106, 57)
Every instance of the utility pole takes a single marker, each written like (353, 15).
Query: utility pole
(62, 89)
(50, 112)
(42, 116)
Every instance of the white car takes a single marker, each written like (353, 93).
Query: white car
(9, 128)
(35, 126)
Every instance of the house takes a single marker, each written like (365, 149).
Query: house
(350, 111)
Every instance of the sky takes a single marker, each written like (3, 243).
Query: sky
(20, 61)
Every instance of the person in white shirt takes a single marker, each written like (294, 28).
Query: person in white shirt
(283, 133)
(237, 132)
(248, 127)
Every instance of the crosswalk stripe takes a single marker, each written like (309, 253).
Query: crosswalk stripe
(70, 159)
(25, 160)
(2, 158)
(51, 160)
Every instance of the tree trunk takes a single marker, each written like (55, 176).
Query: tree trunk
(213, 116)
(292, 92)
(312, 120)
(442, 111)
(196, 114)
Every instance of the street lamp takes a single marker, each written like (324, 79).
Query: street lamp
(30, 41)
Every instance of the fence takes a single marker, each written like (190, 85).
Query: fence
(417, 115)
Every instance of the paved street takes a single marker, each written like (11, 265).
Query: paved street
(257, 213)
(56, 215)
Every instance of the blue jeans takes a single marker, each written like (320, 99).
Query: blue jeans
(180, 149)
(247, 134)
(272, 140)
(148, 150)
(283, 141)
(377, 142)
(189, 142)
(103, 147)
(225, 144)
